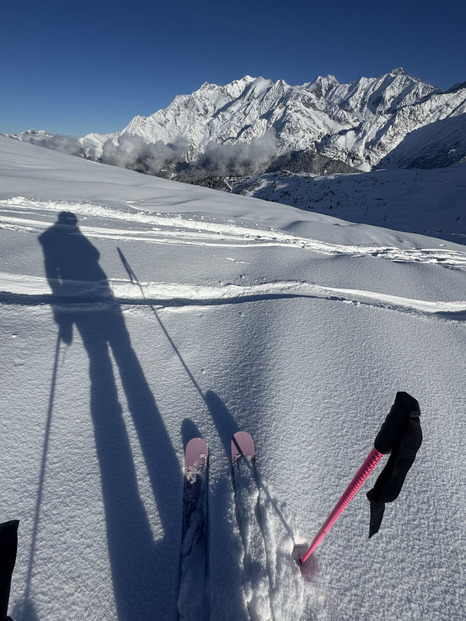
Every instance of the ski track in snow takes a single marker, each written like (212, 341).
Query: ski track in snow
(178, 229)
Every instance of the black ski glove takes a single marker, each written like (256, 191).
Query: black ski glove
(401, 436)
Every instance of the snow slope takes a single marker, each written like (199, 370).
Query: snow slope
(438, 144)
(295, 326)
(431, 202)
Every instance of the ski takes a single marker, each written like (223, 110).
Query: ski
(194, 567)
(247, 494)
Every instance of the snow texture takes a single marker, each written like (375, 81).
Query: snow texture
(214, 313)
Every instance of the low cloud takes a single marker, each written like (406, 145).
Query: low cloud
(238, 159)
(129, 151)
(57, 142)
(134, 153)
(217, 159)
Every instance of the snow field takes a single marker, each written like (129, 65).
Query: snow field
(303, 343)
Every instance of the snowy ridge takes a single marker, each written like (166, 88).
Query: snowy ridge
(357, 123)
(439, 144)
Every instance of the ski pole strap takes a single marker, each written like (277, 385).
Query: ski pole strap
(364, 471)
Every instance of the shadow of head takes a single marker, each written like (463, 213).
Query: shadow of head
(67, 218)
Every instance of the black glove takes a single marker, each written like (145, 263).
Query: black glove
(401, 436)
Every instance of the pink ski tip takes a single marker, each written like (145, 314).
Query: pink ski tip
(196, 454)
(196, 448)
(242, 444)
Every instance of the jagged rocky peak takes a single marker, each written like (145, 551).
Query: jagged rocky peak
(405, 78)
(207, 86)
(321, 85)
(235, 88)
(35, 133)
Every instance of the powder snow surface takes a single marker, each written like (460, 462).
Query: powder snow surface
(241, 314)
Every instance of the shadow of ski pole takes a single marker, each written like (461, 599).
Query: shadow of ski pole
(135, 280)
(40, 489)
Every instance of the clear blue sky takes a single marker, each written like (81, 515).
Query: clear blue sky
(75, 67)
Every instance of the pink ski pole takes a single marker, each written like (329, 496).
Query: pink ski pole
(403, 408)
(364, 471)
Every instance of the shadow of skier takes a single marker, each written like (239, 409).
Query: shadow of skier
(138, 564)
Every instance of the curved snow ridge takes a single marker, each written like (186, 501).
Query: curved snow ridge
(21, 205)
(161, 228)
(435, 256)
(231, 292)
(27, 290)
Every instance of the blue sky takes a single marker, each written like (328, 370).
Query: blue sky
(90, 66)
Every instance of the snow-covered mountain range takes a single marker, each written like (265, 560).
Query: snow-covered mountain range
(254, 125)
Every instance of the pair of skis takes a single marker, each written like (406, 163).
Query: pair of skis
(193, 597)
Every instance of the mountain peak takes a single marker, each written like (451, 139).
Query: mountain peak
(260, 85)
(398, 71)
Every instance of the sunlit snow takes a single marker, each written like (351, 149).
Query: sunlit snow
(187, 312)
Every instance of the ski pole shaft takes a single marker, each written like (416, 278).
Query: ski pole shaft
(364, 471)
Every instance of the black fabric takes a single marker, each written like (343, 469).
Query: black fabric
(405, 443)
(377, 511)
(405, 407)
(8, 547)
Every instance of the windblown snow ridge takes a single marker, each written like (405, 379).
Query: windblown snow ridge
(35, 292)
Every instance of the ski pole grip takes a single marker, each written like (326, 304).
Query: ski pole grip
(405, 407)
